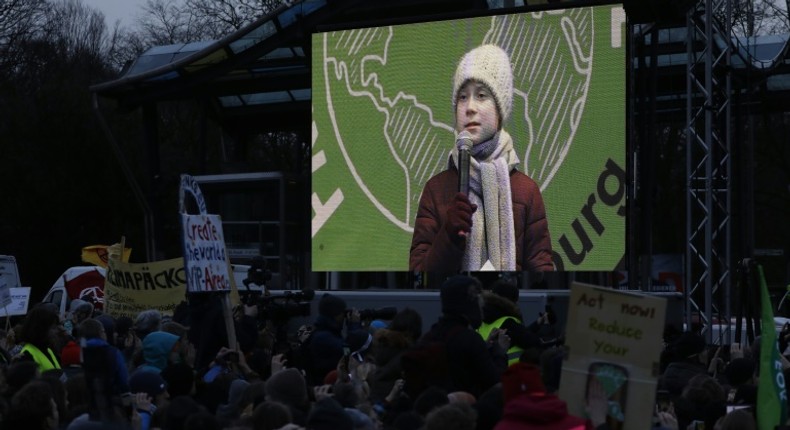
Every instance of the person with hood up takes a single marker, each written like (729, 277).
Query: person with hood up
(158, 348)
(99, 354)
(472, 364)
(529, 407)
(325, 346)
(500, 224)
(501, 311)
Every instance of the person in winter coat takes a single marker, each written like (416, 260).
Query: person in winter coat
(690, 350)
(388, 346)
(109, 357)
(471, 364)
(501, 224)
(529, 407)
(36, 335)
(500, 311)
(325, 347)
(158, 348)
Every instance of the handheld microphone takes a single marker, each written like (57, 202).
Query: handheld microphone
(464, 144)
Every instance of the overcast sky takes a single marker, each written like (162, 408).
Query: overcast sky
(124, 10)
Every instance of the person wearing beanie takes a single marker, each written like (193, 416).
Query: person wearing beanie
(322, 351)
(70, 359)
(230, 411)
(529, 406)
(501, 311)
(468, 362)
(454, 231)
(102, 361)
(146, 322)
(288, 387)
(151, 386)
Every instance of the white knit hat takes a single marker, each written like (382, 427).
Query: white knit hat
(490, 65)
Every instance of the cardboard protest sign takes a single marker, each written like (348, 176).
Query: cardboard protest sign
(206, 260)
(20, 299)
(131, 288)
(613, 338)
(204, 253)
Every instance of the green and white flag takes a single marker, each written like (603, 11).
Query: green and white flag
(771, 394)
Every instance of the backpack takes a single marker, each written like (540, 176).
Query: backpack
(425, 364)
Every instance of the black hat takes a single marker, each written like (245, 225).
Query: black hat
(506, 289)
(151, 383)
(331, 306)
(461, 300)
(689, 344)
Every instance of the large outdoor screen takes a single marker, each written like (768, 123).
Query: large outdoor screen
(383, 125)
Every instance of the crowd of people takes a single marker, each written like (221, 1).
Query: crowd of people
(482, 365)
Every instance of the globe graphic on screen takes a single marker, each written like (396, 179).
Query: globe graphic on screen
(401, 143)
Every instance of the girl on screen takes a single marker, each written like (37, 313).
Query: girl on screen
(501, 223)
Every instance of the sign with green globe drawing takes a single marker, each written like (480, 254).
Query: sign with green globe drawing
(383, 125)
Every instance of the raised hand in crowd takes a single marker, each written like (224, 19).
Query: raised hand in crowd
(667, 420)
(716, 363)
(322, 391)
(736, 351)
(499, 337)
(397, 389)
(278, 363)
(353, 315)
(142, 402)
(191, 353)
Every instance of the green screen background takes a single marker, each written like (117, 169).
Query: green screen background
(382, 126)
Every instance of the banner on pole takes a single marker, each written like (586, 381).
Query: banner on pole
(131, 288)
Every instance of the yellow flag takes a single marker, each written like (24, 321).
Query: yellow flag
(98, 254)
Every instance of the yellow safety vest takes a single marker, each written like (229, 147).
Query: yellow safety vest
(44, 363)
(485, 330)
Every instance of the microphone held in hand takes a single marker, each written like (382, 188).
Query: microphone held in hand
(464, 144)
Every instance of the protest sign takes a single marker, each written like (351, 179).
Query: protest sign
(205, 256)
(613, 338)
(206, 260)
(9, 278)
(131, 288)
(20, 299)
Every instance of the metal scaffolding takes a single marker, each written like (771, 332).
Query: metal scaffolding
(708, 166)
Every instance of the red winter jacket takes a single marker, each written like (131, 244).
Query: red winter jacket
(539, 412)
(433, 251)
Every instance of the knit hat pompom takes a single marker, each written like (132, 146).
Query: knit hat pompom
(490, 65)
